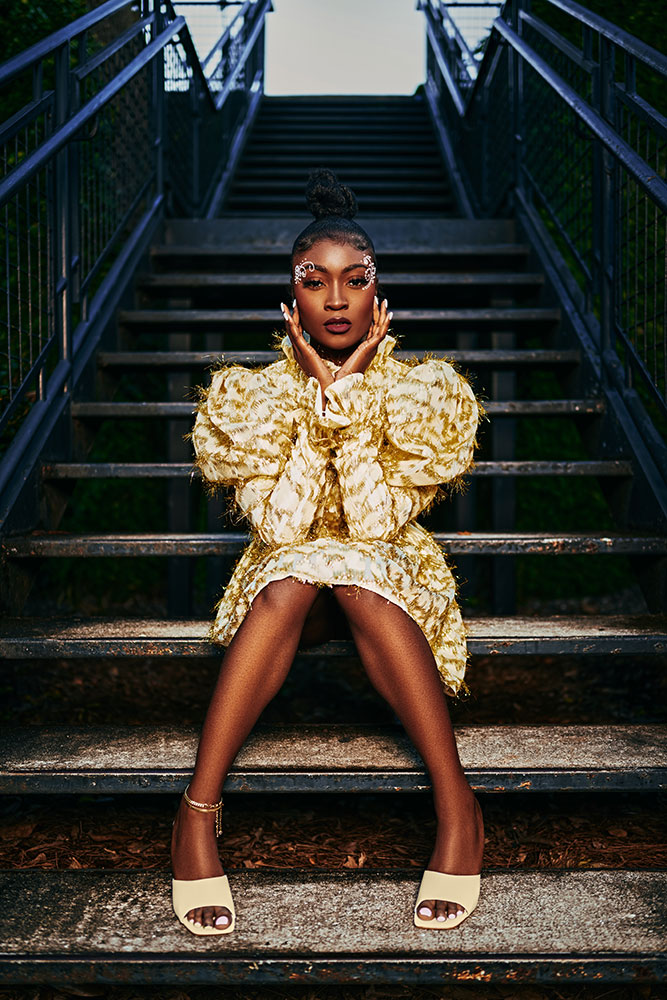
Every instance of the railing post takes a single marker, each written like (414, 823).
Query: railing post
(61, 215)
(608, 212)
(158, 101)
(516, 95)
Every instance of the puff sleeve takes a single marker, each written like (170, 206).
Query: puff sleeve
(245, 435)
(397, 445)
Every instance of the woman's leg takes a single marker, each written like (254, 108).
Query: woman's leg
(400, 665)
(255, 666)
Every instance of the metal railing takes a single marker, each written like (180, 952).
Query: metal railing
(110, 123)
(568, 133)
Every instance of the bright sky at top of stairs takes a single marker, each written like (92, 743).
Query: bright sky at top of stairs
(344, 47)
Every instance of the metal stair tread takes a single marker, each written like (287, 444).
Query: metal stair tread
(274, 249)
(509, 314)
(173, 279)
(562, 634)
(90, 544)
(503, 407)
(395, 187)
(167, 470)
(304, 757)
(474, 356)
(83, 925)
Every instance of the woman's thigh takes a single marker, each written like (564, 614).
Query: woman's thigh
(375, 618)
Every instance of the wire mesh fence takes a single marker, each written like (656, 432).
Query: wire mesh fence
(560, 115)
(101, 121)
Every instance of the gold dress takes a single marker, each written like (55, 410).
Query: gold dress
(332, 496)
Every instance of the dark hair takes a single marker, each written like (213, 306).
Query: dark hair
(333, 205)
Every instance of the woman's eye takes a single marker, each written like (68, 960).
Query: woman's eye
(358, 282)
(312, 283)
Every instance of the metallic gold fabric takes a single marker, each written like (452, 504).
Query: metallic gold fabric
(332, 497)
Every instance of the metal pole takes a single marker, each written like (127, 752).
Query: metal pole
(607, 186)
(61, 215)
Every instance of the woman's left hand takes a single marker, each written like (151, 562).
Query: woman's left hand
(361, 358)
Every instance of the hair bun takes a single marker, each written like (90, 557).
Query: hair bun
(326, 196)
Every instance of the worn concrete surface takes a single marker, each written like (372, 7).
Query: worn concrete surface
(334, 758)
(583, 634)
(527, 913)
(92, 544)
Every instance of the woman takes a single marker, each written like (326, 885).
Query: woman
(332, 453)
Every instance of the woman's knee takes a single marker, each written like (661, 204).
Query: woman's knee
(286, 597)
(357, 603)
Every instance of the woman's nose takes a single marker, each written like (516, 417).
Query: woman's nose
(336, 299)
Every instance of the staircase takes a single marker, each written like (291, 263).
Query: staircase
(383, 146)
(468, 290)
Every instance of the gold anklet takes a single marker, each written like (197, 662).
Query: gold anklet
(206, 807)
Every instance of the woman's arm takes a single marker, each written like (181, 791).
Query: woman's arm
(396, 446)
(245, 436)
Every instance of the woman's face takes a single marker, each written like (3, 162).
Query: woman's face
(334, 286)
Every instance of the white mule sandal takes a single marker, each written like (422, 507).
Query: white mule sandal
(461, 889)
(192, 894)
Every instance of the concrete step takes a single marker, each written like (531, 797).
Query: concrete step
(178, 410)
(584, 635)
(182, 360)
(109, 760)
(101, 926)
(88, 545)
(172, 470)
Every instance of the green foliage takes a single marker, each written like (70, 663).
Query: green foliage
(26, 23)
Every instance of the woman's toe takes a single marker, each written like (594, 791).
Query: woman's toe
(425, 910)
(440, 910)
(223, 917)
(195, 915)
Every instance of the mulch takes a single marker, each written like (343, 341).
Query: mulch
(536, 830)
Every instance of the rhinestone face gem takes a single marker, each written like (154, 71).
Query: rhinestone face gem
(371, 270)
(300, 270)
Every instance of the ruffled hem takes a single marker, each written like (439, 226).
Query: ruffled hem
(410, 559)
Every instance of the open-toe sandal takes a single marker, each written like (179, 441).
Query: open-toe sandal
(461, 889)
(193, 894)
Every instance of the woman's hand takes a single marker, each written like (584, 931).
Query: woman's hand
(305, 355)
(365, 351)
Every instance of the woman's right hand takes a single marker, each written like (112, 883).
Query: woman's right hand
(305, 355)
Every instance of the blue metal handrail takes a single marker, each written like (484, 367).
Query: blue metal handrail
(557, 134)
(110, 136)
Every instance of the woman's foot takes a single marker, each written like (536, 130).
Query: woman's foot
(458, 850)
(194, 854)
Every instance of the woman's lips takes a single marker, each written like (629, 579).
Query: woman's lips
(338, 325)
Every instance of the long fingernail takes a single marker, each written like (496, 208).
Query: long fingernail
(390, 316)
(385, 303)
(376, 300)
(293, 305)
